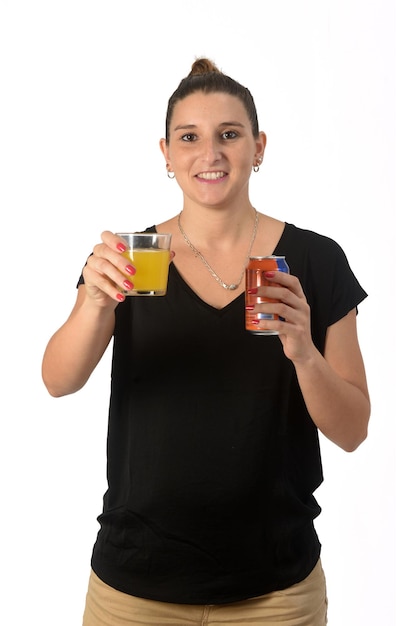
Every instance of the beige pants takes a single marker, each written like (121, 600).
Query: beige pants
(303, 604)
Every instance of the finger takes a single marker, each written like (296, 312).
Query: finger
(278, 294)
(277, 309)
(286, 280)
(113, 241)
(113, 267)
(114, 250)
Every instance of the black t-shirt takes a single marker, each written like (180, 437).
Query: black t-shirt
(213, 458)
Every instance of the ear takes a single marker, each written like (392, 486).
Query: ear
(260, 144)
(164, 149)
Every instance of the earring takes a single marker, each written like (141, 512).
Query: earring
(170, 175)
(257, 164)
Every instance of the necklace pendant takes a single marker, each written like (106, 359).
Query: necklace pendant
(197, 253)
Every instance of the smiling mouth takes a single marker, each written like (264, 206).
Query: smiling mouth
(211, 175)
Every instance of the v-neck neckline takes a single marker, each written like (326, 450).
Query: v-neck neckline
(235, 300)
(200, 299)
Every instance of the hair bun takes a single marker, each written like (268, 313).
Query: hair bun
(203, 66)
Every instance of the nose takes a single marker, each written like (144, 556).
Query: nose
(211, 150)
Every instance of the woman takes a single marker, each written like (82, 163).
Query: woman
(213, 451)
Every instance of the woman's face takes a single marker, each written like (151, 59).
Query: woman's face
(212, 149)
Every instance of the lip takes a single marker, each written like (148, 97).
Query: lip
(212, 176)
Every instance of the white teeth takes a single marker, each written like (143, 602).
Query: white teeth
(211, 175)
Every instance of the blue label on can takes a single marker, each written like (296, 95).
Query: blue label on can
(282, 264)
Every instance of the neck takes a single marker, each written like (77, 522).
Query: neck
(215, 228)
(231, 286)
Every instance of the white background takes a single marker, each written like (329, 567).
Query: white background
(84, 87)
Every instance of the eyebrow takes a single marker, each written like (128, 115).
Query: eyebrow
(191, 126)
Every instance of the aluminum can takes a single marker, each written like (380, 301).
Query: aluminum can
(255, 278)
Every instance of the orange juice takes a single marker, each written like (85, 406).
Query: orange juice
(151, 271)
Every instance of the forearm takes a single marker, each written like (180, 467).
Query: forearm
(76, 348)
(339, 408)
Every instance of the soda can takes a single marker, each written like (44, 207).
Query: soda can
(255, 278)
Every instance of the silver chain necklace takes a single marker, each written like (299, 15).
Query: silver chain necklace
(221, 282)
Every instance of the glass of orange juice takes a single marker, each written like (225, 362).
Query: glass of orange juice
(149, 253)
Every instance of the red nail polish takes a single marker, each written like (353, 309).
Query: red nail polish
(120, 297)
(253, 291)
(128, 284)
(255, 322)
(249, 307)
(121, 247)
(269, 274)
(130, 269)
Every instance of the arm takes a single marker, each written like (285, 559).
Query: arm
(76, 348)
(334, 386)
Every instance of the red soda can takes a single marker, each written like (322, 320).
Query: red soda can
(255, 278)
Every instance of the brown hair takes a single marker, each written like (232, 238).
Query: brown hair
(205, 76)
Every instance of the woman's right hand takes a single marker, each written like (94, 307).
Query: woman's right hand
(107, 271)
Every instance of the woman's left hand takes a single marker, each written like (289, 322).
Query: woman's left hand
(333, 385)
(292, 312)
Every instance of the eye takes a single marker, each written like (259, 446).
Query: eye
(188, 137)
(229, 134)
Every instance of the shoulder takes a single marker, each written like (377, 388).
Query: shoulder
(309, 237)
(318, 260)
(164, 227)
(310, 245)
(167, 227)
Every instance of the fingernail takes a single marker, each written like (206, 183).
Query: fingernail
(249, 307)
(252, 292)
(128, 284)
(120, 297)
(130, 269)
(255, 322)
(269, 274)
(121, 247)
